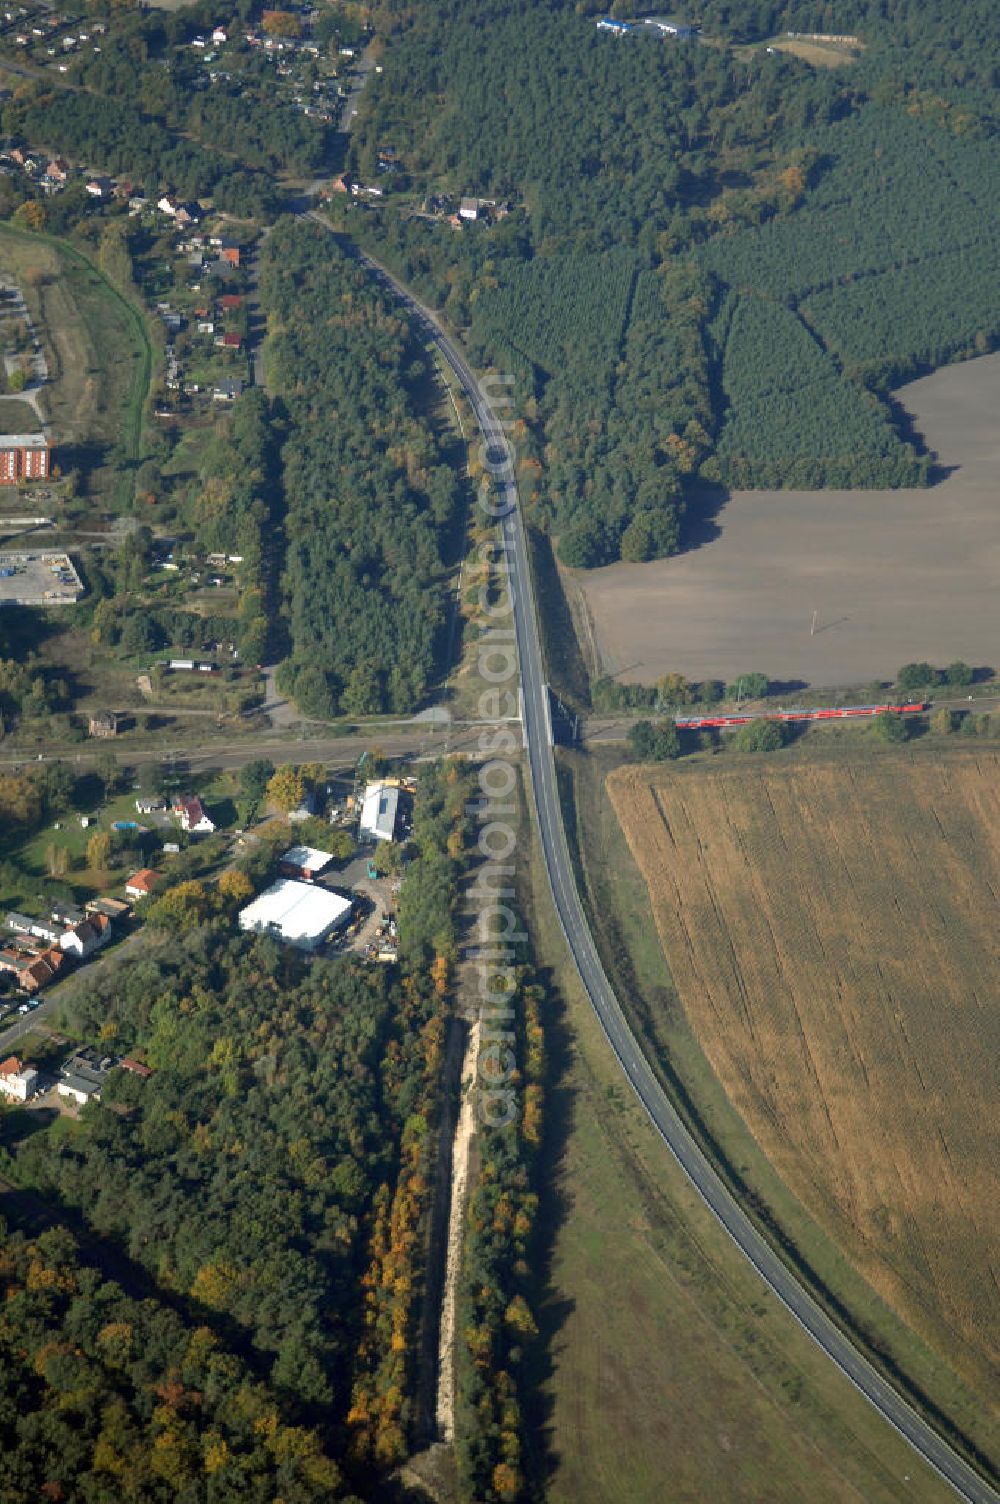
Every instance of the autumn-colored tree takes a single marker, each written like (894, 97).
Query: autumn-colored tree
(313, 775)
(793, 182)
(439, 975)
(506, 1481)
(99, 851)
(531, 1123)
(31, 215)
(175, 1457)
(281, 23)
(519, 1318)
(20, 800)
(235, 887)
(182, 907)
(682, 452)
(213, 1284)
(213, 500)
(286, 789)
(115, 1341)
(534, 1061)
(56, 860)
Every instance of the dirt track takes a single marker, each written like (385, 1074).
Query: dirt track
(464, 1130)
(892, 575)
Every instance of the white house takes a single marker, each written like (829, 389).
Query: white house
(83, 939)
(47, 930)
(378, 813)
(18, 1082)
(83, 1075)
(191, 813)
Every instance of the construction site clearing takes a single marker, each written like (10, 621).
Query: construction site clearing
(44, 577)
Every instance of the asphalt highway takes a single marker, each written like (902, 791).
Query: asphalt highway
(890, 1404)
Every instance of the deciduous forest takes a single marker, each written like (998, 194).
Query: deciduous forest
(271, 1180)
(107, 1396)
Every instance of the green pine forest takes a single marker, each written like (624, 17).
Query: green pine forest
(718, 261)
(371, 488)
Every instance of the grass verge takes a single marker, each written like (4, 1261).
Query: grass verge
(98, 350)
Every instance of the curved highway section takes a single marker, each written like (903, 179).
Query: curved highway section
(891, 1405)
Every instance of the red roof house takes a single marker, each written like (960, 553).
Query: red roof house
(42, 970)
(191, 813)
(142, 883)
(136, 1067)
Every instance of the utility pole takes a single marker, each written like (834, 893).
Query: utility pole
(812, 629)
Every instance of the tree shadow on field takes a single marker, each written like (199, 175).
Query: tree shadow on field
(86, 457)
(23, 630)
(905, 424)
(22, 1123)
(703, 507)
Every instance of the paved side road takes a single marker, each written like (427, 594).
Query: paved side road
(890, 1404)
(52, 997)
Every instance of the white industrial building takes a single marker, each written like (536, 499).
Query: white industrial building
(670, 26)
(298, 913)
(378, 813)
(305, 862)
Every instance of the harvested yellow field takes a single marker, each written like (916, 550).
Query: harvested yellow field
(833, 930)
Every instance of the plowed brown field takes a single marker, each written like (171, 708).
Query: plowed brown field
(833, 931)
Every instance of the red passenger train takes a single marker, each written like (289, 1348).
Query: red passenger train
(820, 713)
